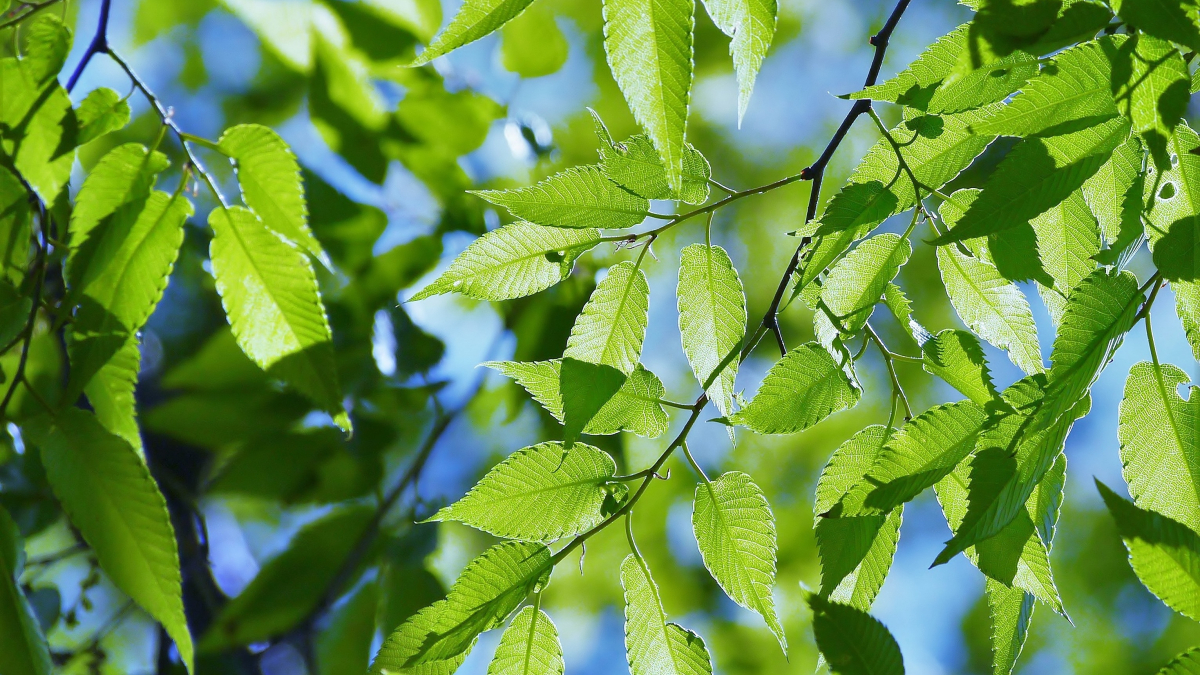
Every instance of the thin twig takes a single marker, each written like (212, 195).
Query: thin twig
(770, 319)
(39, 283)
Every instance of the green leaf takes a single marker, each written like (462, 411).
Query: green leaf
(120, 273)
(735, 530)
(1036, 175)
(1151, 83)
(269, 176)
(540, 493)
(751, 25)
(612, 326)
(1187, 306)
(270, 295)
(1067, 239)
(475, 19)
(923, 84)
(712, 319)
(25, 651)
(529, 647)
(1172, 197)
(1098, 314)
(532, 44)
(394, 657)
(1164, 553)
(110, 497)
(14, 311)
(991, 305)
(435, 640)
(1011, 610)
(852, 641)
(111, 391)
(920, 454)
(1157, 430)
(856, 284)
(801, 389)
(634, 164)
(41, 129)
(1187, 663)
(957, 357)
(1105, 191)
(653, 646)
(649, 49)
(123, 176)
(1075, 87)
(635, 407)
(514, 261)
(851, 572)
(1017, 556)
(580, 197)
(101, 112)
(1167, 19)
(934, 148)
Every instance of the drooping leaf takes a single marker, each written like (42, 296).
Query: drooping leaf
(25, 651)
(991, 306)
(1164, 553)
(852, 641)
(851, 573)
(712, 319)
(540, 493)
(580, 197)
(108, 493)
(514, 261)
(735, 530)
(858, 281)
(957, 357)
(269, 292)
(920, 454)
(1036, 175)
(751, 26)
(1158, 434)
(1017, 557)
(634, 164)
(1011, 610)
(1105, 191)
(634, 407)
(269, 176)
(1068, 238)
(801, 389)
(529, 647)
(653, 646)
(612, 326)
(1074, 90)
(120, 272)
(649, 48)
(101, 112)
(474, 20)
(1098, 314)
